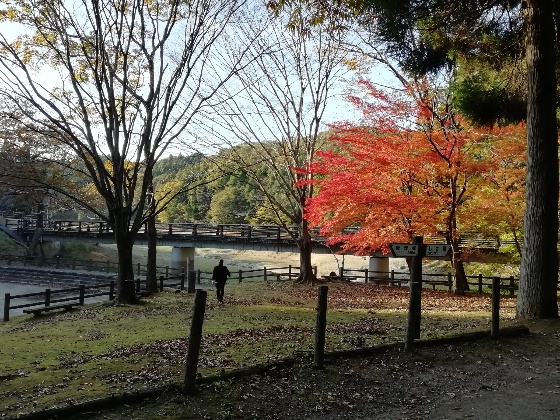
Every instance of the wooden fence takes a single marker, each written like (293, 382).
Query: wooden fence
(479, 282)
(49, 297)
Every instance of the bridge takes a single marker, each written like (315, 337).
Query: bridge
(207, 235)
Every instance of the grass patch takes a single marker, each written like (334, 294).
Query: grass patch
(103, 349)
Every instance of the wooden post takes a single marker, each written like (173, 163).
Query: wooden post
(198, 274)
(47, 297)
(183, 280)
(137, 284)
(191, 279)
(195, 338)
(167, 272)
(480, 283)
(366, 276)
(82, 293)
(57, 261)
(320, 329)
(415, 306)
(138, 270)
(6, 307)
(161, 283)
(495, 307)
(512, 284)
(112, 290)
(108, 266)
(240, 276)
(264, 272)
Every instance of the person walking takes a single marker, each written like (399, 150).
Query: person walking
(220, 275)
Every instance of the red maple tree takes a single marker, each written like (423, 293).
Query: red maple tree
(412, 167)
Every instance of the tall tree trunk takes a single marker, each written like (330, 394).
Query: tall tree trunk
(151, 264)
(306, 274)
(32, 250)
(539, 264)
(461, 283)
(125, 241)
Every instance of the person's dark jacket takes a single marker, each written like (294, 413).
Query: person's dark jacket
(220, 274)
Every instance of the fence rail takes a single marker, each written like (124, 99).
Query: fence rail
(48, 296)
(479, 282)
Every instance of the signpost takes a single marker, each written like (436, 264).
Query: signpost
(416, 251)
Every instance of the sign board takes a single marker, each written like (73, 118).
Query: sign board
(439, 250)
(404, 250)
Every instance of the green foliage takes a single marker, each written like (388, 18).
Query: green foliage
(485, 100)
(75, 249)
(9, 246)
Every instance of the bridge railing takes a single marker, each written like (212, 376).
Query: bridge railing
(241, 232)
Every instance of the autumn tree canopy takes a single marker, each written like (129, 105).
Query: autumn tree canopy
(410, 168)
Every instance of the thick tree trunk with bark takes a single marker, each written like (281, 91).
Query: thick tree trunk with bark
(306, 274)
(151, 264)
(539, 265)
(125, 241)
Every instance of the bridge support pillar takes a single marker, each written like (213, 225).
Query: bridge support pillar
(182, 257)
(378, 268)
(49, 249)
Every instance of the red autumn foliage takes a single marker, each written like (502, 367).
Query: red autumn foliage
(413, 167)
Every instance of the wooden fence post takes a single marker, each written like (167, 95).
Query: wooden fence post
(450, 281)
(264, 272)
(137, 284)
(512, 284)
(480, 283)
(199, 273)
(82, 293)
(240, 276)
(195, 338)
(138, 270)
(6, 307)
(495, 307)
(320, 329)
(161, 283)
(366, 276)
(191, 279)
(47, 297)
(112, 290)
(183, 280)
